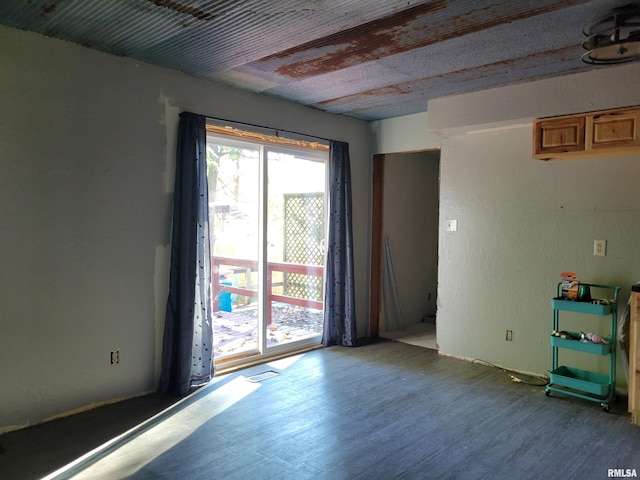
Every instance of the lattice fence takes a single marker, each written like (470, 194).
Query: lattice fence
(303, 233)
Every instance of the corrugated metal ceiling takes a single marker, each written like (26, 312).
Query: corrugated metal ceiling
(370, 59)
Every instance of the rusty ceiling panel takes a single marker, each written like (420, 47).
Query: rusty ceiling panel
(434, 61)
(368, 41)
(413, 28)
(186, 9)
(370, 59)
(245, 31)
(368, 104)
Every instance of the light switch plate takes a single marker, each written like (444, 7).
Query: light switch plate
(451, 225)
(600, 248)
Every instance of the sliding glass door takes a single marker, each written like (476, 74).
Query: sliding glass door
(267, 228)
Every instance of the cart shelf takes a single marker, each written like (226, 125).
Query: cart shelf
(581, 380)
(581, 345)
(581, 307)
(573, 381)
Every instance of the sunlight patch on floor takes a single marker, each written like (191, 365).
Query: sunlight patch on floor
(419, 334)
(134, 454)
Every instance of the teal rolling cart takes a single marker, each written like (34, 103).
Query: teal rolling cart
(593, 386)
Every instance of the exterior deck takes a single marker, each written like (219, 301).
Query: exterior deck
(236, 332)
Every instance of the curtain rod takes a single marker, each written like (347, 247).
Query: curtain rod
(277, 130)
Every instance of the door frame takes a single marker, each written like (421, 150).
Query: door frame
(377, 217)
(377, 233)
(263, 350)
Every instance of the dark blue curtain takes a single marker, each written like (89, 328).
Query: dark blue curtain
(339, 298)
(187, 356)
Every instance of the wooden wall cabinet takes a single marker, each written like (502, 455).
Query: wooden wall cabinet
(595, 134)
(557, 136)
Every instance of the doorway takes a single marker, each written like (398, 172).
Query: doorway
(267, 214)
(405, 247)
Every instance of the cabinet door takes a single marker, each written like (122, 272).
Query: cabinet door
(558, 135)
(613, 130)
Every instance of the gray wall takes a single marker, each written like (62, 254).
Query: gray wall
(88, 144)
(523, 221)
(520, 223)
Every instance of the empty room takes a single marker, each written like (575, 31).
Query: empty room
(319, 239)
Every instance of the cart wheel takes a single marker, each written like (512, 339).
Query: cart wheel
(605, 407)
(547, 393)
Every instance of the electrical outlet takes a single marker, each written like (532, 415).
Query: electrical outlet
(600, 248)
(115, 357)
(509, 336)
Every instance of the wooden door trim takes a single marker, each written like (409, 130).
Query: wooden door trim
(377, 215)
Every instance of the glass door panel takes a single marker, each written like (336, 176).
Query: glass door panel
(233, 171)
(295, 248)
(266, 216)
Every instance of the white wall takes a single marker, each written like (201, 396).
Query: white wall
(88, 144)
(411, 225)
(523, 221)
(409, 133)
(598, 89)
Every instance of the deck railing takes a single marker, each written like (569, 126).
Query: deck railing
(247, 267)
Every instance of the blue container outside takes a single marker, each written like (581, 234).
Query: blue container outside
(225, 299)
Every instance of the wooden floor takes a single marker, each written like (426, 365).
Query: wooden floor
(386, 410)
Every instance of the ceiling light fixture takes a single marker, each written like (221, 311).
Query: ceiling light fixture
(614, 38)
